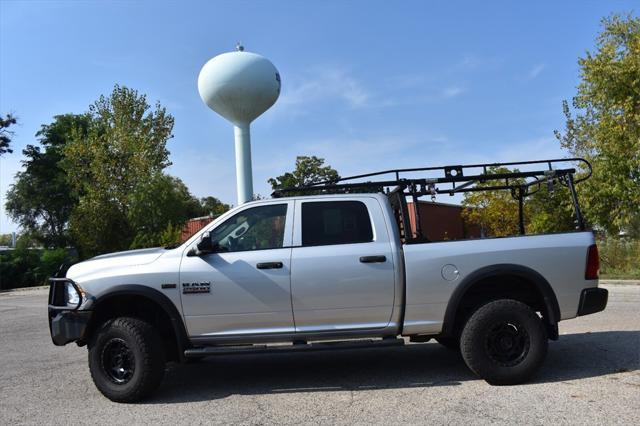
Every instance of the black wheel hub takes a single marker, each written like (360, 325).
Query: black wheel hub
(117, 361)
(507, 344)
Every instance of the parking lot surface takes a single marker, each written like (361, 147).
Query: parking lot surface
(591, 376)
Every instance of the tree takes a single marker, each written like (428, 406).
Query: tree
(5, 134)
(496, 211)
(213, 206)
(171, 236)
(5, 239)
(41, 199)
(158, 208)
(308, 170)
(550, 211)
(604, 126)
(124, 149)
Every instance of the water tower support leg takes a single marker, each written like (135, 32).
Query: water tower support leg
(244, 175)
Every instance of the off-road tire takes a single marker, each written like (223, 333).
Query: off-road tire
(504, 342)
(145, 355)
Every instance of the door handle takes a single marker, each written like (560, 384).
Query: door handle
(269, 265)
(373, 259)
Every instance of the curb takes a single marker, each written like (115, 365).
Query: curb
(620, 282)
(24, 289)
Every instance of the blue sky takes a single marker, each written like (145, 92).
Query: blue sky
(366, 85)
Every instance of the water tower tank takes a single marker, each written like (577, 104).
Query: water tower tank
(240, 86)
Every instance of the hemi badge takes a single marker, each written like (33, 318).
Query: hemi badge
(164, 286)
(201, 287)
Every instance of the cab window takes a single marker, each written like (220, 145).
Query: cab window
(335, 222)
(256, 228)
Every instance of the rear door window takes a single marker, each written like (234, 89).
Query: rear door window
(335, 222)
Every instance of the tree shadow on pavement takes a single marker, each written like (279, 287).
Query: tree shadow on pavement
(573, 357)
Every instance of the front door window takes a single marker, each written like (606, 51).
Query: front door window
(257, 228)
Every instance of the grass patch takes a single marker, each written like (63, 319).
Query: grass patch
(619, 259)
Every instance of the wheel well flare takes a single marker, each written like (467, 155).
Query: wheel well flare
(501, 282)
(144, 307)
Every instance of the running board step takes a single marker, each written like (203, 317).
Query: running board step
(316, 346)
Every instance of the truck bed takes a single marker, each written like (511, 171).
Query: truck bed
(435, 271)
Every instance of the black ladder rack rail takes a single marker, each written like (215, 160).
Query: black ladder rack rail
(520, 183)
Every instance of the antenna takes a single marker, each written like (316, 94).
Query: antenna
(240, 86)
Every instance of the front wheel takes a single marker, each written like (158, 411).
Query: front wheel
(126, 359)
(504, 342)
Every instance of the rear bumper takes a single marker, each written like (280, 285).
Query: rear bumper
(592, 300)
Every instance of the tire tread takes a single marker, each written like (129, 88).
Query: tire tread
(150, 346)
(474, 357)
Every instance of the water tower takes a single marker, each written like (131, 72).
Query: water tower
(240, 86)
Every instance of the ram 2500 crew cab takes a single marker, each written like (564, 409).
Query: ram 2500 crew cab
(323, 267)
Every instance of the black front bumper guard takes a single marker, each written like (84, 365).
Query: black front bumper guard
(66, 324)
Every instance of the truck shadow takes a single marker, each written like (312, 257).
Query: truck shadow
(573, 357)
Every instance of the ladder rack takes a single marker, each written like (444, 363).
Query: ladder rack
(456, 179)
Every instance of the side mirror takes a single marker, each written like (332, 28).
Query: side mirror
(205, 245)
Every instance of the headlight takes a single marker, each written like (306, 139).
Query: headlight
(74, 296)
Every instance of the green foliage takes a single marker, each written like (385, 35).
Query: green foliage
(5, 134)
(52, 259)
(26, 267)
(211, 206)
(124, 148)
(606, 126)
(156, 206)
(95, 182)
(19, 269)
(496, 212)
(547, 211)
(98, 225)
(619, 258)
(41, 199)
(171, 236)
(5, 240)
(308, 170)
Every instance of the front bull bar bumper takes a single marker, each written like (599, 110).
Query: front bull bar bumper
(66, 323)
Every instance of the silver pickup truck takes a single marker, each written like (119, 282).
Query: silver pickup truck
(336, 265)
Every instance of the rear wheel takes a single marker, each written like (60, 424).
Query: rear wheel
(126, 359)
(504, 342)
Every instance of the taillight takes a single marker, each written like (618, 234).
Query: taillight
(593, 263)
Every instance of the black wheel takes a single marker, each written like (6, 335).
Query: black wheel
(452, 343)
(126, 359)
(504, 342)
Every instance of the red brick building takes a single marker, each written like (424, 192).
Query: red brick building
(194, 225)
(441, 222)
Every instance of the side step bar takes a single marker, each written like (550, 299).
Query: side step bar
(316, 346)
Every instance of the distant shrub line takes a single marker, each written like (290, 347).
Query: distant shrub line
(25, 267)
(619, 258)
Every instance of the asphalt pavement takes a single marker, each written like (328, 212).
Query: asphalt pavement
(591, 376)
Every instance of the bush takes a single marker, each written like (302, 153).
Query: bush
(619, 258)
(26, 267)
